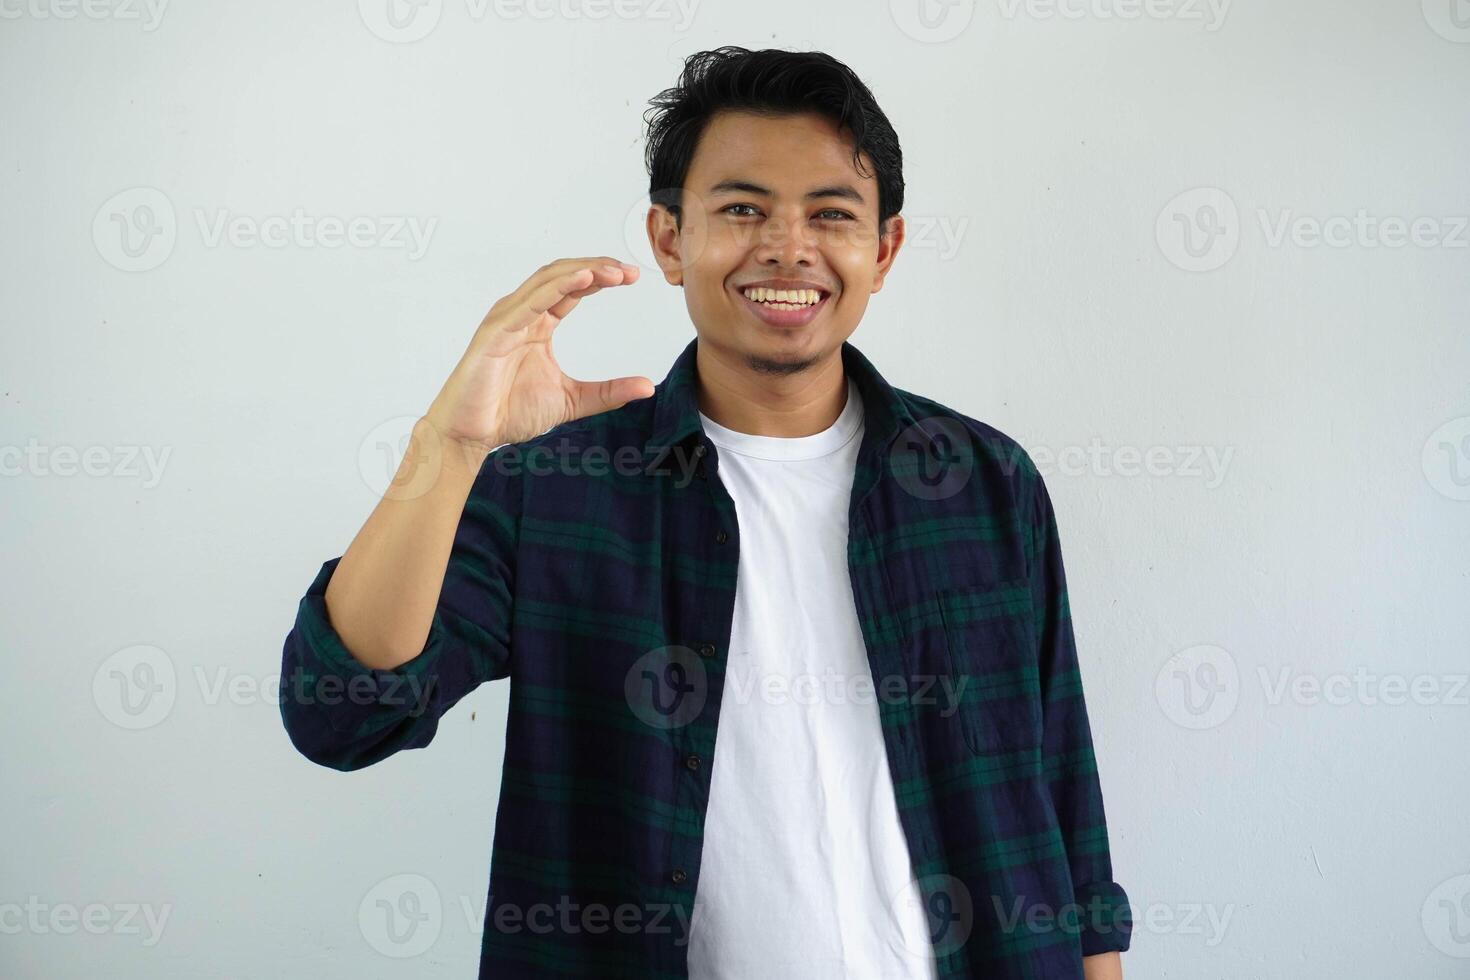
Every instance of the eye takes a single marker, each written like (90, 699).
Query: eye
(726, 209)
(841, 215)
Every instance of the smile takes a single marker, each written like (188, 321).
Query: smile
(784, 307)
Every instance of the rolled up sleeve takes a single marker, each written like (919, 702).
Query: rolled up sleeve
(344, 715)
(1104, 915)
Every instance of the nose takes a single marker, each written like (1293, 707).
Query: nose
(785, 241)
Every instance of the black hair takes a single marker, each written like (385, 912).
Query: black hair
(771, 82)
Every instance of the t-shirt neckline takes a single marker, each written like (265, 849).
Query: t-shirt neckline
(849, 421)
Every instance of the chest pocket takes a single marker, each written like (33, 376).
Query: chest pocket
(990, 648)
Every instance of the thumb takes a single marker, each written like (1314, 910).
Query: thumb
(592, 397)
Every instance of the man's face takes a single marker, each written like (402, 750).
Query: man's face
(775, 200)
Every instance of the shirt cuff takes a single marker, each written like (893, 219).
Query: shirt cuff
(351, 691)
(1106, 918)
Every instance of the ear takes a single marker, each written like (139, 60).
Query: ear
(889, 242)
(663, 238)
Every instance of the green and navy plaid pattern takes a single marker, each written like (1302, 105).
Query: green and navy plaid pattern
(594, 567)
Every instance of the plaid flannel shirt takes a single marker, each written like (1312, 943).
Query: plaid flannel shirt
(594, 568)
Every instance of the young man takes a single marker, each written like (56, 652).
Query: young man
(860, 590)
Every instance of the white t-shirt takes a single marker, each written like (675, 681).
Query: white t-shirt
(805, 872)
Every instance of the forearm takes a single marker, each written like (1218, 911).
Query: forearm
(1103, 966)
(383, 594)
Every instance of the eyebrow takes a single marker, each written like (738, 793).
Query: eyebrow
(843, 191)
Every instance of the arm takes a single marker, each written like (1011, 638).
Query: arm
(349, 697)
(416, 613)
(1071, 769)
(1103, 966)
(384, 591)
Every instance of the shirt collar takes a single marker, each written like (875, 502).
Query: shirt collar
(676, 404)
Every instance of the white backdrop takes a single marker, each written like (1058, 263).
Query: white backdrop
(1208, 261)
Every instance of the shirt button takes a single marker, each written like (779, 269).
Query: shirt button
(677, 876)
(721, 537)
(691, 762)
(706, 650)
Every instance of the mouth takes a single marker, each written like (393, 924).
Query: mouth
(784, 307)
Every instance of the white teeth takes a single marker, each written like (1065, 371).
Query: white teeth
(793, 297)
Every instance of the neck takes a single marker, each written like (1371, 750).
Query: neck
(738, 397)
